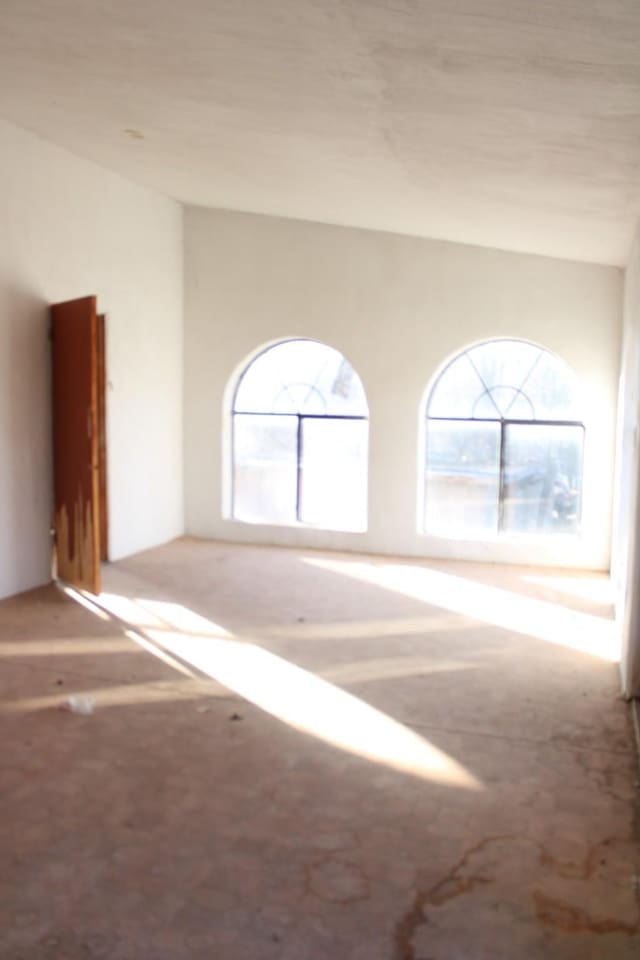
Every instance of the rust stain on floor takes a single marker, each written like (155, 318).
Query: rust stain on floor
(547, 910)
(556, 913)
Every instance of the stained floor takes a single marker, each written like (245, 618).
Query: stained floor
(315, 756)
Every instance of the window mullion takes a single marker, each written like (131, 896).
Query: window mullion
(501, 483)
(299, 472)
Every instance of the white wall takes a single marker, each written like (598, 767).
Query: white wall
(67, 229)
(626, 555)
(397, 307)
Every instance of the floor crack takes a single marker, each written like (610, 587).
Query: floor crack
(548, 910)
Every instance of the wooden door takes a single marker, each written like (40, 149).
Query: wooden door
(102, 438)
(74, 334)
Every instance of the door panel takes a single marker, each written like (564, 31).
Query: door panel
(74, 331)
(102, 439)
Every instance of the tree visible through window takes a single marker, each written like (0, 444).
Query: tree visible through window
(503, 444)
(300, 439)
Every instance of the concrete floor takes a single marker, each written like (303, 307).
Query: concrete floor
(302, 756)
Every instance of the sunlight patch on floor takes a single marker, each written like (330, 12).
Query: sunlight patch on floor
(314, 706)
(94, 646)
(596, 589)
(290, 693)
(129, 694)
(546, 621)
(390, 668)
(363, 629)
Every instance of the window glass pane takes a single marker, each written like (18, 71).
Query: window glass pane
(340, 387)
(542, 478)
(487, 406)
(457, 391)
(334, 473)
(265, 468)
(301, 376)
(513, 404)
(462, 478)
(504, 363)
(552, 389)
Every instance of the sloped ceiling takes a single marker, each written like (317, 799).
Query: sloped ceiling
(507, 123)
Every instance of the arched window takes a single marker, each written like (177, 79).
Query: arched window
(300, 439)
(503, 444)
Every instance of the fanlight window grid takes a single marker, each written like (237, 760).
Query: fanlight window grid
(504, 444)
(300, 439)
